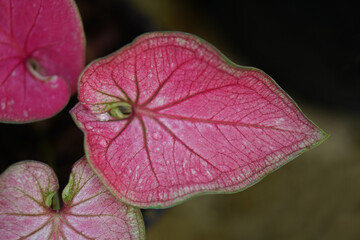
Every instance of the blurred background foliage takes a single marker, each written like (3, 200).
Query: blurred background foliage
(312, 51)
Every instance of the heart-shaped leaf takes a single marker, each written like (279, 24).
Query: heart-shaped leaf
(168, 117)
(90, 210)
(42, 52)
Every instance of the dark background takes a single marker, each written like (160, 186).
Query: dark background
(312, 51)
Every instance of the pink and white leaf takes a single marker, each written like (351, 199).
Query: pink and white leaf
(89, 212)
(168, 117)
(42, 52)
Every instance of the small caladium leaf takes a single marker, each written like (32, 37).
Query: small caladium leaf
(90, 211)
(168, 117)
(42, 52)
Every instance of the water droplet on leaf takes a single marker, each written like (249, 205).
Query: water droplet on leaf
(103, 142)
(157, 136)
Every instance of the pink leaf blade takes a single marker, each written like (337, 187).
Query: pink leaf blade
(94, 212)
(29, 98)
(24, 190)
(46, 41)
(90, 211)
(107, 90)
(199, 123)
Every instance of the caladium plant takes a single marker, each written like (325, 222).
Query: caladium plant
(169, 117)
(165, 118)
(89, 212)
(42, 52)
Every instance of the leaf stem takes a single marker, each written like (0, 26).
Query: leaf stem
(56, 202)
(120, 110)
(36, 70)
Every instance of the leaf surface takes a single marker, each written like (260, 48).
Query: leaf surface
(90, 210)
(42, 52)
(168, 117)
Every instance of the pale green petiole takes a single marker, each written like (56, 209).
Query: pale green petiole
(120, 110)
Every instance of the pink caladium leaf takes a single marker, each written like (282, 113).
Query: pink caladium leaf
(42, 52)
(168, 117)
(90, 211)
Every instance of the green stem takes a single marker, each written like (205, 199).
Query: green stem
(56, 202)
(120, 110)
